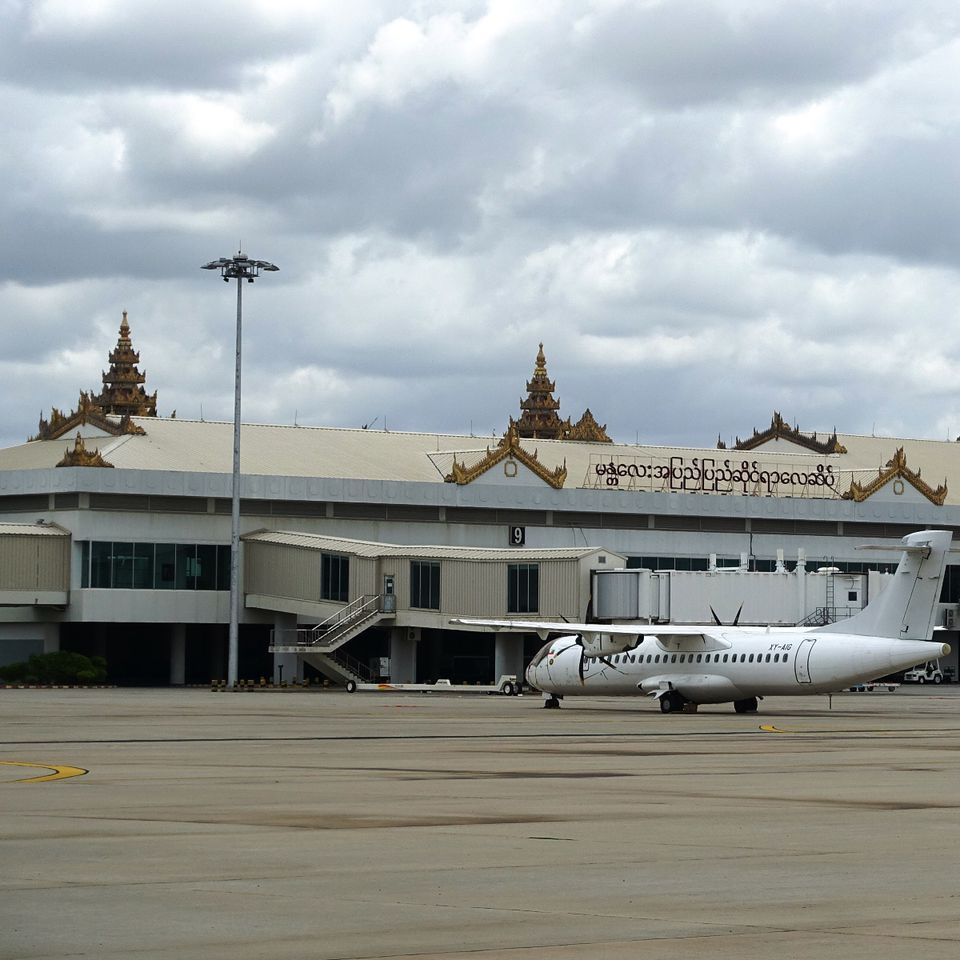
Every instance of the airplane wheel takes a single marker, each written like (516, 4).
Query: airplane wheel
(671, 702)
(552, 704)
(351, 686)
(748, 705)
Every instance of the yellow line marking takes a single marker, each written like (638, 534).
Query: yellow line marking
(60, 771)
(770, 728)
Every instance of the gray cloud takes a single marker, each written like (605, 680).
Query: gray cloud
(706, 210)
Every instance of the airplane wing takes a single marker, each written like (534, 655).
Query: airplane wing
(666, 632)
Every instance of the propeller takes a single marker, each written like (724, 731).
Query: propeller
(720, 623)
(583, 657)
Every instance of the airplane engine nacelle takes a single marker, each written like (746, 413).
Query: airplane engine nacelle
(606, 644)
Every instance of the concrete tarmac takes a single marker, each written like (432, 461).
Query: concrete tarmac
(315, 824)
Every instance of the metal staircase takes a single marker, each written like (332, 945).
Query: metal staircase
(317, 645)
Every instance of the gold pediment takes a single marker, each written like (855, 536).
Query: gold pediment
(779, 429)
(895, 470)
(80, 456)
(88, 413)
(587, 429)
(508, 448)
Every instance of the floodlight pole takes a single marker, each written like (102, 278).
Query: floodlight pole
(240, 268)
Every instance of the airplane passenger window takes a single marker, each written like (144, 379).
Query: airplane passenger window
(650, 658)
(751, 658)
(725, 657)
(673, 658)
(776, 658)
(767, 658)
(743, 657)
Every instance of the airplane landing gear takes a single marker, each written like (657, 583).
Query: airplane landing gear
(671, 702)
(551, 703)
(748, 705)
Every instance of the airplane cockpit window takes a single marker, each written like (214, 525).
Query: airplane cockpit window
(541, 653)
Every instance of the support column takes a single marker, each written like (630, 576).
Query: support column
(287, 667)
(178, 654)
(403, 654)
(51, 637)
(507, 655)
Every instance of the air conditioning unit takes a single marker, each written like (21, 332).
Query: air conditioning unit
(950, 618)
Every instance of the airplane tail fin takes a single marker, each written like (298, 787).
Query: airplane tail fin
(906, 608)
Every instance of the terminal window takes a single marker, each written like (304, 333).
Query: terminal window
(123, 565)
(334, 577)
(425, 584)
(523, 587)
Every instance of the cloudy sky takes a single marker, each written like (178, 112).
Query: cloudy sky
(706, 209)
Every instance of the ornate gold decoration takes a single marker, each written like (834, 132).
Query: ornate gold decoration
(539, 419)
(779, 429)
(80, 456)
(538, 413)
(897, 470)
(122, 395)
(123, 391)
(508, 447)
(587, 428)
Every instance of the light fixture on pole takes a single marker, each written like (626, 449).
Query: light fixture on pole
(240, 268)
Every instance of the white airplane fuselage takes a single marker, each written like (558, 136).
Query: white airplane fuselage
(749, 664)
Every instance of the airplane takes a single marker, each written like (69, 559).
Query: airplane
(684, 666)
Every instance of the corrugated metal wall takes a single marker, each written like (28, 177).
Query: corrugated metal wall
(281, 570)
(34, 563)
(285, 570)
(469, 588)
(473, 588)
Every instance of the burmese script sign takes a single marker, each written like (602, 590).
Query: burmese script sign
(731, 475)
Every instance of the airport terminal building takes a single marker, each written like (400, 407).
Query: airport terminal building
(115, 535)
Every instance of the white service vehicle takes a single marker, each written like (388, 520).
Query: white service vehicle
(928, 672)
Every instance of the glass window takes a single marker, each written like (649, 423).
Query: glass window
(223, 567)
(523, 587)
(100, 557)
(673, 658)
(122, 565)
(334, 577)
(725, 657)
(187, 566)
(776, 658)
(766, 659)
(425, 584)
(206, 566)
(165, 566)
(143, 566)
(85, 563)
(699, 657)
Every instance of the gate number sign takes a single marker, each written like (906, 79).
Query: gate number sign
(518, 536)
